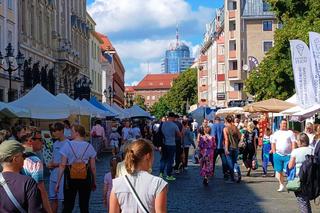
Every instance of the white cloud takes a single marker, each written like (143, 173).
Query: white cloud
(117, 15)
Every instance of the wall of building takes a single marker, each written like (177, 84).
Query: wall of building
(151, 96)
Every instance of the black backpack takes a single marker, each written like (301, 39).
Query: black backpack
(158, 137)
(310, 175)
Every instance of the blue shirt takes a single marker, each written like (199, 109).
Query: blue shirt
(217, 133)
(169, 130)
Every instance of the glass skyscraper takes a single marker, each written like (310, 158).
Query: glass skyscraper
(177, 59)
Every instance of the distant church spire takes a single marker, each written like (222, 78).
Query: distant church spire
(177, 36)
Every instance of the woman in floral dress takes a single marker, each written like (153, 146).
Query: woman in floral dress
(206, 146)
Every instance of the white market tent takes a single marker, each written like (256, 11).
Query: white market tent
(74, 106)
(122, 113)
(111, 109)
(293, 99)
(42, 105)
(230, 111)
(306, 113)
(136, 111)
(94, 111)
(12, 111)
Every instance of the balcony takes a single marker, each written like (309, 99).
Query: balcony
(233, 74)
(220, 77)
(220, 58)
(232, 53)
(232, 14)
(234, 95)
(232, 34)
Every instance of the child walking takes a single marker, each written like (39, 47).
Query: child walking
(115, 139)
(267, 152)
(107, 187)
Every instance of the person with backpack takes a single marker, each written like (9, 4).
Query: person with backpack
(298, 156)
(79, 169)
(283, 142)
(250, 146)
(232, 137)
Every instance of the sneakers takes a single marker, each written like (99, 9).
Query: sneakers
(177, 171)
(186, 168)
(281, 188)
(170, 178)
(161, 175)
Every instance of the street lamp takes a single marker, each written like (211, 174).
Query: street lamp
(109, 94)
(129, 100)
(82, 88)
(9, 58)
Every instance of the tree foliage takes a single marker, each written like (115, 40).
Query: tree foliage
(274, 76)
(183, 93)
(139, 100)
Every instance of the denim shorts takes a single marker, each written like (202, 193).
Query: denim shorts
(280, 162)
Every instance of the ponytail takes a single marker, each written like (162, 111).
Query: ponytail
(135, 154)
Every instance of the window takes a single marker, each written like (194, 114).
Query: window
(204, 95)
(1, 91)
(267, 45)
(265, 6)
(203, 81)
(9, 36)
(234, 65)
(220, 49)
(153, 97)
(238, 86)
(148, 97)
(232, 26)
(267, 25)
(10, 4)
(232, 5)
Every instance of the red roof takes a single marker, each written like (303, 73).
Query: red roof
(156, 81)
(107, 45)
(129, 89)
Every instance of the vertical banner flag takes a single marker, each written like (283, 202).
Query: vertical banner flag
(300, 56)
(314, 43)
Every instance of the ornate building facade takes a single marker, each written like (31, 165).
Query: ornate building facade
(54, 35)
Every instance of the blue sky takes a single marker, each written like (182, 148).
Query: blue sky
(141, 32)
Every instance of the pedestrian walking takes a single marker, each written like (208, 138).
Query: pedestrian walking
(188, 140)
(169, 130)
(231, 137)
(139, 191)
(249, 138)
(206, 146)
(108, 177)
(98, 136)
(217, 133)
(79, 170)
(23, 188)
(179, 149)
(33, 166)
(298, 156)
(61, 140)
(194, 127)
(266, 151)
(115, 139)
(67, 129)
(283, 142)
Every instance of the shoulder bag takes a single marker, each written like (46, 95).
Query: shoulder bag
(5, 186)
(135, 195)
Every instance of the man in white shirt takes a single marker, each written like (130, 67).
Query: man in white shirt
(283, 142)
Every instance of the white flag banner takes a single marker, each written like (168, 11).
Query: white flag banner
(314, 43)
(300, 56)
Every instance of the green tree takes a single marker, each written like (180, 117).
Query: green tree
(182, 93)
(274, 76)
(139, 100)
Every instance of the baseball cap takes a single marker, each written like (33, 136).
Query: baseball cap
(9, 148)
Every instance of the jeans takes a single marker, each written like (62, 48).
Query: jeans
(220, 152)
(267, 157)
(71, 188)
(179, 151)
(186, 156)
(247, 155)
(231, 160)
(303, 203)
(167, 159)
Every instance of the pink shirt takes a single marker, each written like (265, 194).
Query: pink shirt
(99, 131)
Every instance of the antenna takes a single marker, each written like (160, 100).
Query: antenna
(148, 67)
(177, 36)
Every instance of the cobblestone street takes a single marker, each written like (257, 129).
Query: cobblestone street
(187, 194)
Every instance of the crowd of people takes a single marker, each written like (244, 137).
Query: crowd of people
(129, 182)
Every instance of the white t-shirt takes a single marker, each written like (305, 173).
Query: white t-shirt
(77, 151)
(283, 140)
(56, 157)
(300, 155)
(147, 187)
(136, 133)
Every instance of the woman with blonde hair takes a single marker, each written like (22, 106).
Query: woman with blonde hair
(249, 137)
(138, 191)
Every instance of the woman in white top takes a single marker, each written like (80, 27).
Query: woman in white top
(298, 156)
(151, 190)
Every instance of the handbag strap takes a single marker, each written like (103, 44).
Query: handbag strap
(5, 186)
(135, 195)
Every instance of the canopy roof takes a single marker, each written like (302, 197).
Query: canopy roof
(230, 111)
(306, 113)
(122, 114)
(136, 111)
(42, 104)
(74, 106)
(270, 105)
(96, 103)
(94, 111)
(12, 111)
